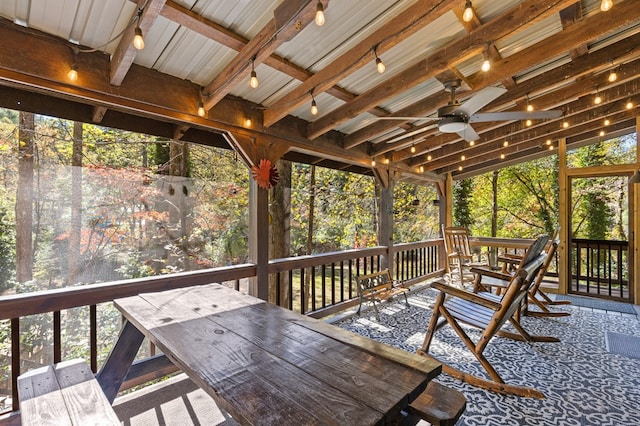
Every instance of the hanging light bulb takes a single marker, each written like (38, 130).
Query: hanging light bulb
(138, 40)
(314, 105)
(413, 149)
(601, 132)
(548, 142)
(459, 168)
(467, 16)
(253, 81)
(421, 169)
(606, 5)
(529, 106)
(606, 122)
(201, 110)
(629, 104)
(373, 163)
(72, 75)
(505, 144)
(462, 157)
(429, 157)
(379, 64)
(597, 100)
(472, 143)
(502, 155)
(565, 124)
(486, 64)
(613, 76)
(319, 14)
(528, 123)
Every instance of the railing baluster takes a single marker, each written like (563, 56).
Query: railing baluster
(15, 361)
(93, 337)
(57, 340)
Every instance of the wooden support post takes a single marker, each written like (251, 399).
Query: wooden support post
(448, 215)
(634, 237)
(259, 239)
(563, 219)
(386, 180)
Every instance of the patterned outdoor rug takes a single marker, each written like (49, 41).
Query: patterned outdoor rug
(594, 303)
(584, 384)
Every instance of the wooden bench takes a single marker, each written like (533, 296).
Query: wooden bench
(378, 286)
(66, 393)
(438, 404)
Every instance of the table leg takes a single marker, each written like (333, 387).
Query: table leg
(120, 358)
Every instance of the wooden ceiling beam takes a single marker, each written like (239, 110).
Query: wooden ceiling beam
(290, 17)
(519, 17)
(547, 48)
(125, 53)
(581, 111)
(580, 90)
(582, 132)
(398, 29)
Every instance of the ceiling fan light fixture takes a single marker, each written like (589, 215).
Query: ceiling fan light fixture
(467, 16)
(452, 124)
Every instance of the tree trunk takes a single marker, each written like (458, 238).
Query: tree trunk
(493, 253)
(312, 202)
(24, 199)
(75, 255)
(280, 212)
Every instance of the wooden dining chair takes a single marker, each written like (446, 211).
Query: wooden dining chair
(488, 312)
(460, 258)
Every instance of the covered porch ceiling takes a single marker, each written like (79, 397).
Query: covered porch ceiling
(550, 54)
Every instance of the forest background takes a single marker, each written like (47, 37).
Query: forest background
(83, 204)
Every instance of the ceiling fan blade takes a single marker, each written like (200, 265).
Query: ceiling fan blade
(405, 118)
(480, 99)
(468, 134)
(514, 115)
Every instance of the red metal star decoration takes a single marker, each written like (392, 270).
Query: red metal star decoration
(265, 174)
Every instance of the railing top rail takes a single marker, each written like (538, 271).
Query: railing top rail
(307, 261)
(418, 244)
(23, 304)
(604, 242)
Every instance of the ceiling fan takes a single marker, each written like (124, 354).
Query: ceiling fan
(456, 117)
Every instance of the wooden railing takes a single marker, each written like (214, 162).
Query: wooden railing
(600, 268)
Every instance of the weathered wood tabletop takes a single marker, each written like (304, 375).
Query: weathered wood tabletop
(267, 365)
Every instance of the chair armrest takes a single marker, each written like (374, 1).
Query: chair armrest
(484, 272)
(466, 295)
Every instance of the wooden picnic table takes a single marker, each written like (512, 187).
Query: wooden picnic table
(264, 364)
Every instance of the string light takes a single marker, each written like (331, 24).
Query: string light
(386, 160)
(548, 142)
(459, 168)
(413, 149)
(601, 132)
(138, 40)
(629, 104)
(462, 157)
(314, 105)
(379, 64)
(73, 72)
(467, 16)
(528, 122)
(565, 124)
(319, 14)
(502, 156)
(505, 144)
(606, 5)
(253, 81)
(373, 163)
(472, 143)
(597, 100)
(529, 106)
(606, 122)
(421, 169)
(486, 64)
(201, 110)
(429, 157)
(613, 76)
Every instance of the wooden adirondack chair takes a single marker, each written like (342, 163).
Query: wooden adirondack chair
(488, 312)
(460, 258)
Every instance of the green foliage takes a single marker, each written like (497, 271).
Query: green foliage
(7, 250)
(415, 216)
(462, 193)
